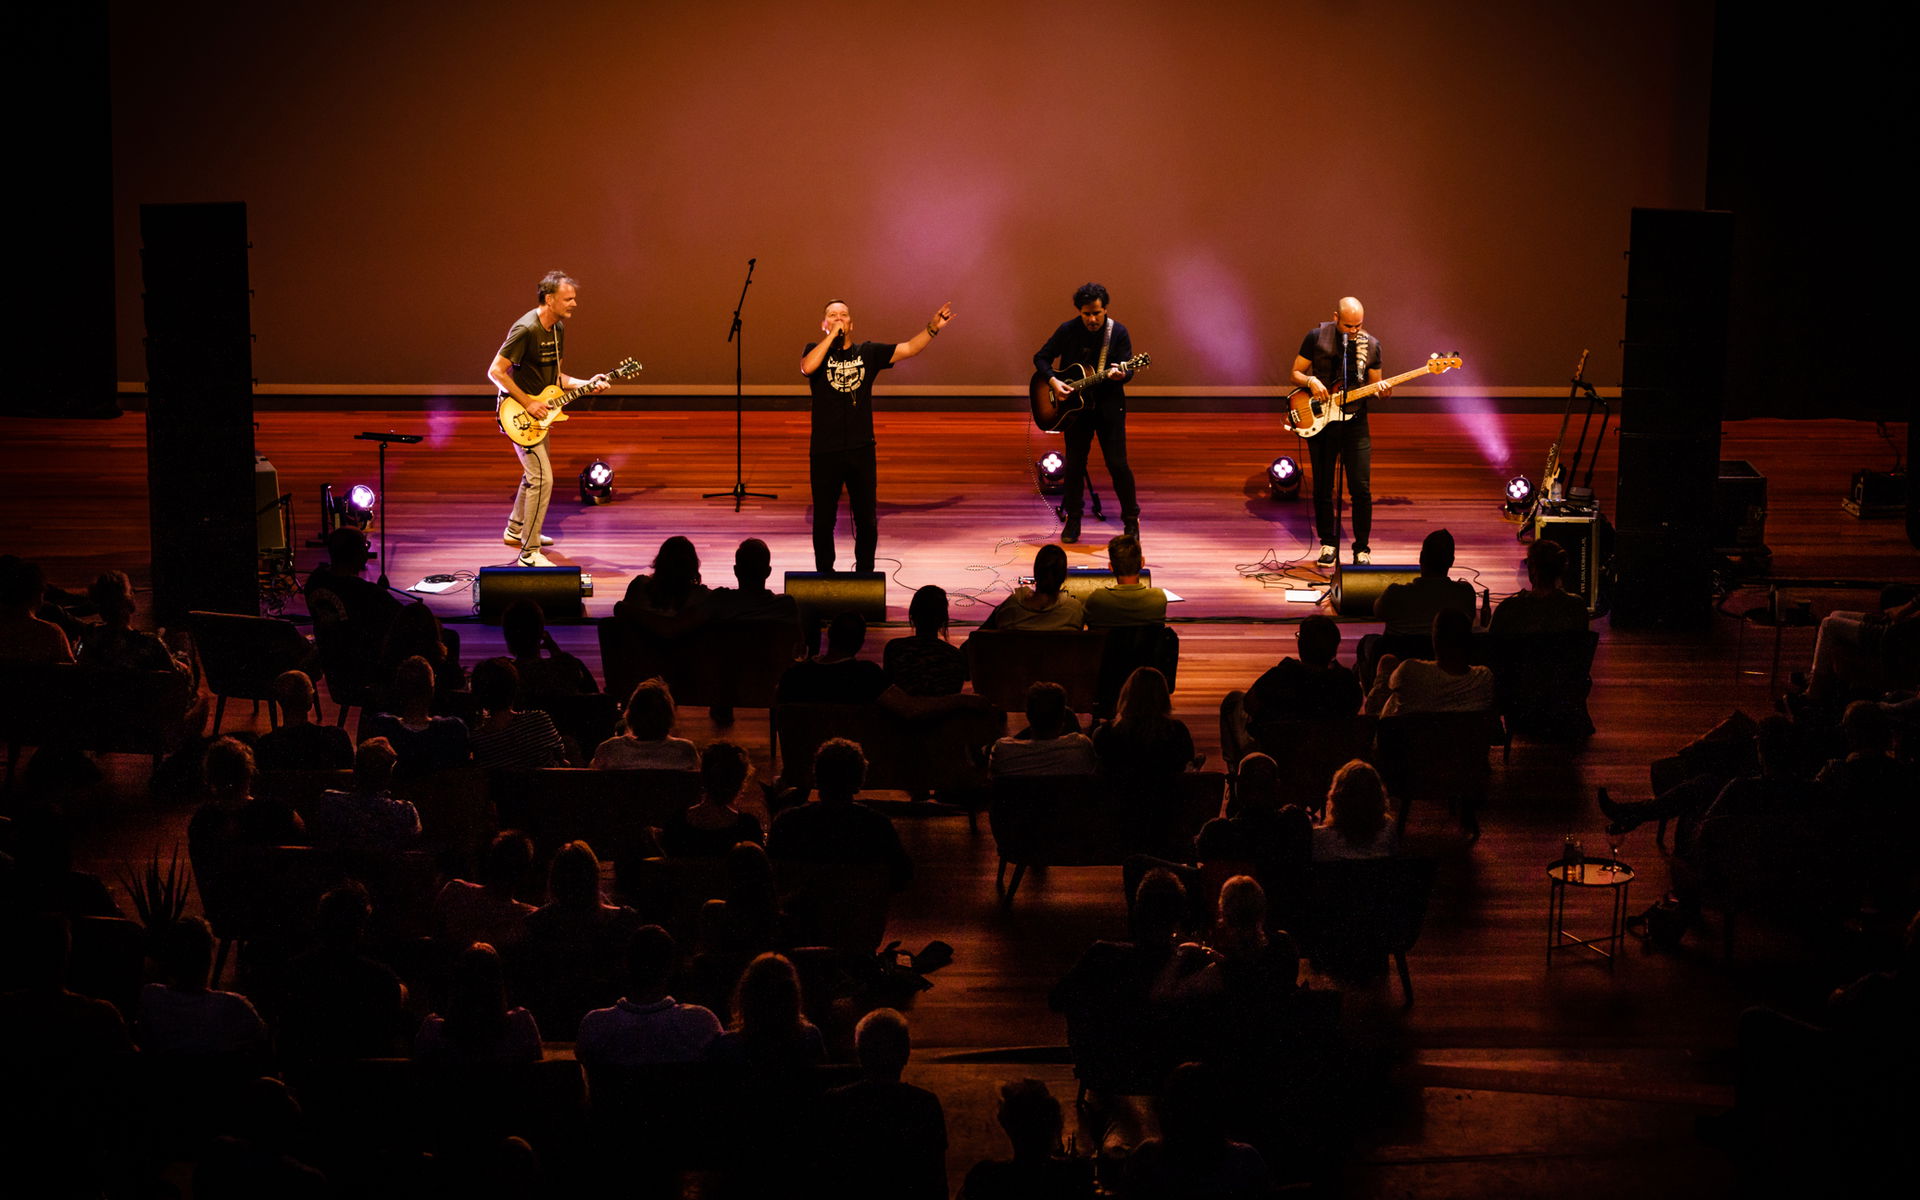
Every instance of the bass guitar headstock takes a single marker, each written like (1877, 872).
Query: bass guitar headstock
(1438, 363)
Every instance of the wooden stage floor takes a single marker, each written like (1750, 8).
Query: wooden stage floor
(1503, 1061)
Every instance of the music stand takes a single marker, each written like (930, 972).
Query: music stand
(405, 439)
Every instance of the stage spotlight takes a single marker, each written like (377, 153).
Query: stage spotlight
(354, 510)
(596, 483)
(1519, 496)
(1283, 478)
(1051, 473)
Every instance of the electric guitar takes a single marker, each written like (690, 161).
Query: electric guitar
(1307, 416)
(523, 429)
(1550, 480)
(1051, 413)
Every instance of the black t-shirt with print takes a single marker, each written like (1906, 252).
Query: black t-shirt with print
(534, 350)
(1321, 347)
(843, 395)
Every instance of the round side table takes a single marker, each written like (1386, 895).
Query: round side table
(1606, 874)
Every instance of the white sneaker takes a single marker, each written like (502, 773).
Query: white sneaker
(1362, 557)
(533, 558)
(513, 539)
(1328, 556)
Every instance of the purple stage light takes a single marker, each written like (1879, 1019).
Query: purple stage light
(1283, 478)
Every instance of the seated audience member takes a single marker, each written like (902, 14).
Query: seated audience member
(478, 1026)
(1051, 744)
(180, 1014)
(24, 636)
(647, 742)
(1237, 1000)
(357, 612)
(1115, 1001)
(672, 599)
(257, 1155)
(1275, 840)
(416, 630)
(1145, 748)
(116, 645)
(301, 744)
(1038, 1170)
(1446, 684)
(424, 743)
(42, 1021)
(713, 826)
(835, 828)
(771, 1034)
(1856, 653)
(367, 818)
(925, 663)
(570, 960)
(503, 734)
(1869, 779)
(752, 600)
(545, 669)
(1312, 687)
(337, 1003)
(1543, 606)
(1778, 782)
(1044, 605)
(487, 911)
(883, 1138)
(647, 1026)
(1409, 608)
(745, 921)
(231, 817)
(1357, 824)
(42, 875)
(1193, 1156)
(1126, 601)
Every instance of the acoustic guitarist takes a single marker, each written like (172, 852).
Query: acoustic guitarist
(1337, 355)
(1096, 342)
(528, 363)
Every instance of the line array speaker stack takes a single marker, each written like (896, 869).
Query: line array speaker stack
(200, 463)
(1672, 392)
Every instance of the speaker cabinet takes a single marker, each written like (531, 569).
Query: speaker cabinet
(200, 459)
(1357, 588)
(556, 590)
(824, 595)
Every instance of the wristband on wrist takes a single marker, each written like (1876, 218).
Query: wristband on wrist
(931, 331)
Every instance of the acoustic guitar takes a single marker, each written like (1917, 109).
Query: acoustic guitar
(1051, 413)
(1307, 416)
(523, 429)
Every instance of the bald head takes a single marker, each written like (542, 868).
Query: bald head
(1351, 314)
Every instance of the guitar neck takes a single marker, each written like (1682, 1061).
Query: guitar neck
(1099, 376)
(1365, 390)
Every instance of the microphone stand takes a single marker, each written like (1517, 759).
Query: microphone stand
(1340, 453)
(739, 491)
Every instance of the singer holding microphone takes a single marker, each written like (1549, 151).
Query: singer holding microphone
(1341, 354)
(840, 372)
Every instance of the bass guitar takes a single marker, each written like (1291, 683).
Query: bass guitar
(1052, 412)
(1307, 416)
(524, 430)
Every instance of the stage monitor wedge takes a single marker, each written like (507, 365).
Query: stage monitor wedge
(1356, 588)
(557, 590)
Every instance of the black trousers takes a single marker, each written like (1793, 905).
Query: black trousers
(1349, 443)
(1107, 420)
(857, 472)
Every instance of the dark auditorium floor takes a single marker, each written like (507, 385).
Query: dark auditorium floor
(1504, 1075)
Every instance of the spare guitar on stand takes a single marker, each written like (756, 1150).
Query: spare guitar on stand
(1567, 512)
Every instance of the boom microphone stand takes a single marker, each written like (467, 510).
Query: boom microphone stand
(739, 490)
(405, 439)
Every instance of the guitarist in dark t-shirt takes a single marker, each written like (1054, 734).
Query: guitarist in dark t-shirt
(1084, 342)
(1336, 355)
(840, 453)
(527, 363)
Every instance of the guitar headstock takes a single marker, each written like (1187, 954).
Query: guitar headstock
(1139, 361)
(626, 370)
(1437, 363)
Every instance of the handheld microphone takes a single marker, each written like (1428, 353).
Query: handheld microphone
(752, 261)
